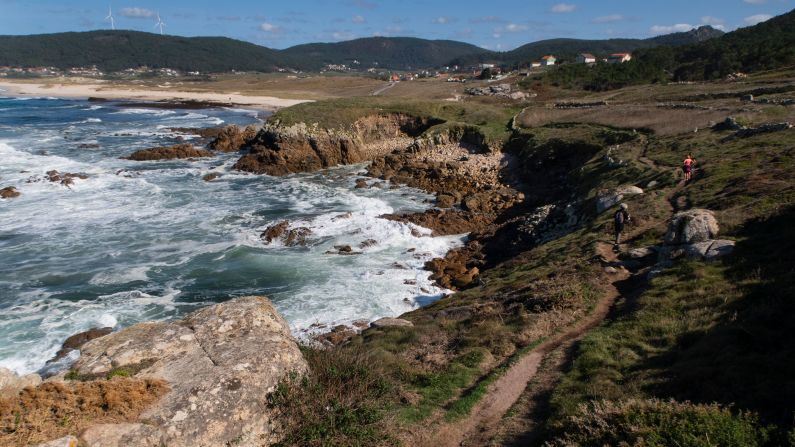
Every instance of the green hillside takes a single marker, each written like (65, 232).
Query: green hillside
(398, 52)
(117, 50)
(568, 49)
(766, 46)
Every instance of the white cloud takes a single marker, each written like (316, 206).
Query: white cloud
(358, 19)
(270, 28)
(509, 28)
(442, 20)
(608, 19)
(755, 2)
(714, 22)
(137, 13)
(563, 8)
(668, 29)
(757, 18)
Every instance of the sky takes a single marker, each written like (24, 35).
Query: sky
(493, 24)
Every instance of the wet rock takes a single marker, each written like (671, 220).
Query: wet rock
(289, 237)
(220, 363)
(361, 183)
(88, 146)
(11, 383)
(344, 248)
(9, 192)
(692, 226)
(391, 322)
(177, 151)
(368, 243)
(233, 138)
(211, 176)
(76, 341)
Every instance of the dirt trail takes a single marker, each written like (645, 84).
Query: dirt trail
(484, 419)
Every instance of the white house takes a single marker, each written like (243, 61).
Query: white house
(586, 58)
(619, 58)
(548, 61)
(535, 64)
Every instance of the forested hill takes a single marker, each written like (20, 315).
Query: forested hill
(395, 52)
(568, 49)
(766, 46)
(117, 50)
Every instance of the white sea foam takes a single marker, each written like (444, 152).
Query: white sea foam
(137, 111)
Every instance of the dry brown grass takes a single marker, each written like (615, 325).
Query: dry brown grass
(53, 410)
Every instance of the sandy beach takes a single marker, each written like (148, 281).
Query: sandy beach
(111, 91)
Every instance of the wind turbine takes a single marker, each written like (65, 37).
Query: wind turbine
(110, 17)
(159, 23)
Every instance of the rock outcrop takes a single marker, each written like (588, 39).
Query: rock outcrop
(281, 150)
(183, 150)
(11, 384)
(233, 138)
(692, 226)
(78, 340)
(290, 237)
(221, 362)
(9, 192)
(693, 234)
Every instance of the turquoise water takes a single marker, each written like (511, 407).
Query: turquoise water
(139, 241)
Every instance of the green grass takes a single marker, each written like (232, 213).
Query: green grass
(489, 118)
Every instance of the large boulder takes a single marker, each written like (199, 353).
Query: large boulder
(609, 199)
(220, 362)
(692, 226)
(11, 383)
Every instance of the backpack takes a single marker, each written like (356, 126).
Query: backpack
(619, 217)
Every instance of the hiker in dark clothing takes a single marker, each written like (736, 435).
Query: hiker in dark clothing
(620, 219)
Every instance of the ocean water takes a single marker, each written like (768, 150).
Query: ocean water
(140, 241)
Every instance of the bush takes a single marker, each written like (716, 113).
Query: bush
(657, 423)
(342, 401)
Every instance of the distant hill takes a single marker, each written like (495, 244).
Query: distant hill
(117, 50)
(768, 45)
(568, 49)
(388, 52)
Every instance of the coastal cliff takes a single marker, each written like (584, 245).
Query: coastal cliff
(199, 381)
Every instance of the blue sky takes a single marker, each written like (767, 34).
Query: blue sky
(493, 24)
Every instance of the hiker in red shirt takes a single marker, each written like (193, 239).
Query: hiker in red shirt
(687, 166)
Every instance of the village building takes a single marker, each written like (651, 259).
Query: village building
(548, 61)
(586, 58)
(619, 58)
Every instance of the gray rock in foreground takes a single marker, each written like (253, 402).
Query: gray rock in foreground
(11, 384)
(692, 226)
(221, 362)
